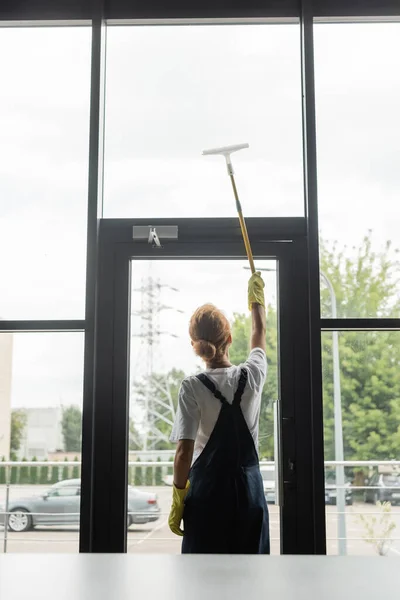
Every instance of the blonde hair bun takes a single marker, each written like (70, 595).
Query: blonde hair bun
(209, 331)
(204, 349)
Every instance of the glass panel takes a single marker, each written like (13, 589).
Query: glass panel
(357, 99)
(41, 381)
(361, 384)
(44, 124)
(164, 296)
(175, 91)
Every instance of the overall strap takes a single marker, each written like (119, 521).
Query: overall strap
(211, 386)
(240, 389)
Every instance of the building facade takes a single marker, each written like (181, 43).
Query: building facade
(43, 433)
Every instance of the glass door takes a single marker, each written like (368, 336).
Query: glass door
(164, 294)
(148, 289)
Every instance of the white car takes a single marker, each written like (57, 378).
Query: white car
(268, 476)
(60, 505)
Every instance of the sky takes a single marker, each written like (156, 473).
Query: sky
(172, 92)
(197, 282)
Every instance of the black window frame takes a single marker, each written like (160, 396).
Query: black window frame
(284, 240)
(86, 10)
(96, 13)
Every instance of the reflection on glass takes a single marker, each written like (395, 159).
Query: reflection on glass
(41, 381)
(174, 91)
(357, 98)
(44, 124)
(164, 295)
(369, 402)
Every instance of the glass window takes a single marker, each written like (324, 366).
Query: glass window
(65, 491)
(358, 123)
(44, 123)
(392, 479)
(175, 91)
(361, 389)
(165, 294)
(41, 386)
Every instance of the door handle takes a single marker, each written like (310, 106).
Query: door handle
(279, 496)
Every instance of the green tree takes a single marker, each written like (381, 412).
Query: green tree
(366, 282)
(366, 285)
(71, 424)
(18, 424)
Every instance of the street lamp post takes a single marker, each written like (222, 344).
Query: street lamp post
(337, 404)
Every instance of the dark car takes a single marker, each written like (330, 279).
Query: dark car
(60, 505)
(331, 492)
(383, 488)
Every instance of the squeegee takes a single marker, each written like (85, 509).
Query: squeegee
(226, 151)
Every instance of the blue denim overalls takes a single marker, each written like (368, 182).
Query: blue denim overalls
(225, 509)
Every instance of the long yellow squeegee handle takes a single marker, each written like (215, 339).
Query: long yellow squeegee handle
(243, 227)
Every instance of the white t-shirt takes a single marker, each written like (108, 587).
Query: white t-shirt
(198, 409)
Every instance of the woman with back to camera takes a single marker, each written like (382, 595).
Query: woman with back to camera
(218, 489)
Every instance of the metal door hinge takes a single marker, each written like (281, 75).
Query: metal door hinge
(154, 235)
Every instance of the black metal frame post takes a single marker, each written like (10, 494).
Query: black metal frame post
(93, 214)
(85, 10)
(312, 273)
(306, 274)
(212, 239)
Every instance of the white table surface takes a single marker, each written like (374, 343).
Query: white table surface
(156, 577)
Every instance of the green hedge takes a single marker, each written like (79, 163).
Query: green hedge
(34, 473)
(2, 472)
(14, 475)
(55, 470)
(65, 471)
(149, 476)
(44, 475)
(76, 470)
(48, 475)
(24, 475)
(158, 474)
(138, 474)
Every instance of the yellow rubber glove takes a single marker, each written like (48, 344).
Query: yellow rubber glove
(178, 505)
(256, 290)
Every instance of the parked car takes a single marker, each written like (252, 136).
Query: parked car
(268, 476)
(384, 488)
(168, 480)
(331, 492)
(60, 505)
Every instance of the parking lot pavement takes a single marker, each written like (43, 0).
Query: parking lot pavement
(355, 531)
(157, 538)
